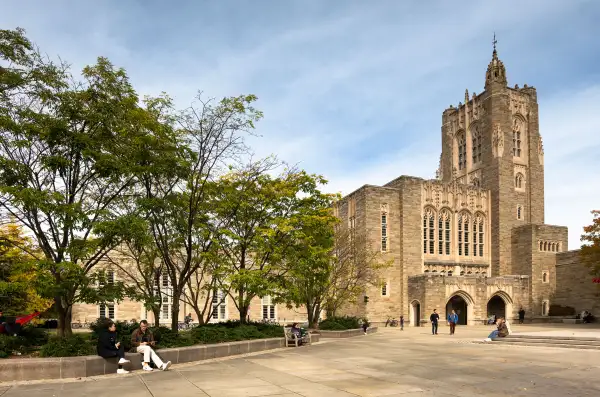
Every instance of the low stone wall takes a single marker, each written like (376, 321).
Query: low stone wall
(345, 334)
(79, 367)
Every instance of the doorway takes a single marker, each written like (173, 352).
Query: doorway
(496, 306)
(459, 305)
(415, 314)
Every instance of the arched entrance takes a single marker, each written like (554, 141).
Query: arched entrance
(496, 306)
(460, 306)
(415, 314)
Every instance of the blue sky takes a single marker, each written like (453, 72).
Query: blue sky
(354, 90)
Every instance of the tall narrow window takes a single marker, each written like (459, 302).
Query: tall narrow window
(384, 234)
(464, 234)
(428, 233)
(165, 280)
(476, 149)
(268, 308)
(462, 151)
(444, 233)
(351, 222)
(109, 278)
(384, 289)
(519, 212)
(219, 305)
(478, 236)
(517, 138)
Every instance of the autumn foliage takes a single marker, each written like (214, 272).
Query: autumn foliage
(590, 249)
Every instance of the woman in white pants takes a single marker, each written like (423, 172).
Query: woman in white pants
(143, 340)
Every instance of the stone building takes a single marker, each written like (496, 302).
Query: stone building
(222, 308)
(473, 239)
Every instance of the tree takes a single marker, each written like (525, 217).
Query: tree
(71, 152)
(139, 264)
(262, 218)
(331, 267)
(205, 292)
(212, 134)
(17, 254)
(590, 249)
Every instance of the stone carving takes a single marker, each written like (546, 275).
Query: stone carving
(498, 142)
(384, 208)
(439, 175)
(438, 194)
(518, 104)
(541, 151)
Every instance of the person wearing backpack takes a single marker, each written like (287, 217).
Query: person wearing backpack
(452, 320)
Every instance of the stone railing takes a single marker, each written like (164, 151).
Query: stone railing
(24, 369)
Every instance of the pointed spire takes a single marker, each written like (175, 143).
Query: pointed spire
(467, 95)
(495, 71)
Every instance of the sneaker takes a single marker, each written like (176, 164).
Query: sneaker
(123, 361)
(147, 368)
(487, 340)
(122, 371)
(166, 366)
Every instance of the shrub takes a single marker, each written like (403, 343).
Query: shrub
(165, 337)
(75, 345)
(34, 336)
(10, 344)
(340, 323)
(234, 331)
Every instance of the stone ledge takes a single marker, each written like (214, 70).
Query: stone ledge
(344, 334)
(26, 369)
(572, 321)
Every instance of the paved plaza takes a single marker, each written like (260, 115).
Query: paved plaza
(389, 363)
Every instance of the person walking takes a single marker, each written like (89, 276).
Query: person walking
(401, 323)
(452, 320)
(434, 318)
(521, 315)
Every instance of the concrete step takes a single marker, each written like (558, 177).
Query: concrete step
(536, 341)
(554, 344)
(552, 338)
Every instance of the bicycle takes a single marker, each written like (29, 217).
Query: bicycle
(392, 323)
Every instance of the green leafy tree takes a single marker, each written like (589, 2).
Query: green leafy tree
(71, 152)
(212, 134)
(262, 218)
(590, 249)
(331, 266)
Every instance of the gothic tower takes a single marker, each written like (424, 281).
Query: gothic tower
(493, 141)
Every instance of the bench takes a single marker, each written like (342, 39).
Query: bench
(291, 338)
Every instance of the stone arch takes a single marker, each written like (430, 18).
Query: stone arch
(414, 313)
(464, 318)
(506, 300)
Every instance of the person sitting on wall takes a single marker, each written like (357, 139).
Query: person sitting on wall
(501, 332)
(142, 341)
(298, 332)
(109, 347)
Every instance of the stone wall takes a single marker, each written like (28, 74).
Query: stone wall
(434, 292)
(574, 284)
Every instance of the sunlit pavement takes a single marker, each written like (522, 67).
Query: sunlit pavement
(389, 363)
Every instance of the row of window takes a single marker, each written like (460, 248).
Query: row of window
(219, 308)
(471, 234)
(549, 246)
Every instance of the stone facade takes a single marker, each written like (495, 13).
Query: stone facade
(575, 285)
(475, 236)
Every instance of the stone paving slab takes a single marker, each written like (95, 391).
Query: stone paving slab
(390, 363)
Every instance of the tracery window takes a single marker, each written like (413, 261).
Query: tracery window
(464, 234)
(478, 236)
(462, 151)
(517, 138)
(428, 232)
(476, 149)
(519, 181)
(444, 233)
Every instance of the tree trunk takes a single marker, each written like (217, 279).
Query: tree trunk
(243, 307)
(310, 314)
(156, 314)
(64, 317)
(199, 314)
(175, 312)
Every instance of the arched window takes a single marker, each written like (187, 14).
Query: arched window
(462, 151)
(517, 138)
(519, 181)
(428, 232)
(463, 234)
(478, 236)
(541, 246)
(384, 234)
(545, 246)
(444, 233)
(545, 277)
(476, 139)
